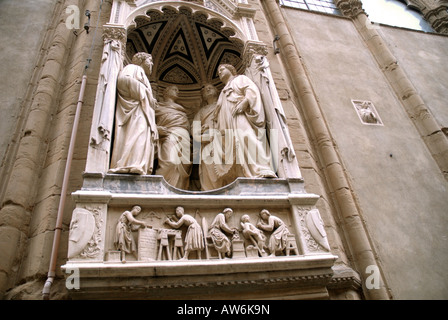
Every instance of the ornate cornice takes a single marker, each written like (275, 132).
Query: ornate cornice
(115, 33)
(437, 16)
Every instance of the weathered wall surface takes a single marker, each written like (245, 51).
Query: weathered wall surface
(400, 189)
(28, 217)
(22, 28)
(314, 179)
(423, 57)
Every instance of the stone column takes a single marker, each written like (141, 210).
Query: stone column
(338, 182)
(103, 114)
(21, 187)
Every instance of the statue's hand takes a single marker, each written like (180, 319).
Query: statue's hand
(241, 107)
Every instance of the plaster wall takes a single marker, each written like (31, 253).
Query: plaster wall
(22, 28)
(423, 57)
(400, 189)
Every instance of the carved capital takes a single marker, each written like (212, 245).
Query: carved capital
(437, 17)
(349, 8)
(253, 48)
(115, 33)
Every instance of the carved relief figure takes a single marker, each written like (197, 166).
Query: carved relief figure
(123, 238)
(279, 236)
(240, 114)
(174, 162)
(254, 234)
(194, 238)
(203, 135)
(135, 128)
(366, 112)
(218, 230)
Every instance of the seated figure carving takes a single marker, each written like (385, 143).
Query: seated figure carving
(279, 237)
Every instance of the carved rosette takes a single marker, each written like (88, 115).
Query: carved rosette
(350, 8)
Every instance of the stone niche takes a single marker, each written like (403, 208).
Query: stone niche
(120, 242)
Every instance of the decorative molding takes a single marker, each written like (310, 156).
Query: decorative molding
(350, 8)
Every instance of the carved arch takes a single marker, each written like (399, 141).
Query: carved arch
(177, 5)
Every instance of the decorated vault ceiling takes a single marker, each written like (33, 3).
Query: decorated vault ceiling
(186, 47)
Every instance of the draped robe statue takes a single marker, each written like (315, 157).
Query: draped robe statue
(135, 128)
(240, 119)
(174, 162)
(203, 135)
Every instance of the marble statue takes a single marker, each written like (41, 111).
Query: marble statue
(194, 238)
(174, 162)
(279, 236)
(135, 127)
(123, 238)
(217, 231)
(203, 136)
(253, 234)
(240, 118)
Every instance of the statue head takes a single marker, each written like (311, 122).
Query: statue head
(209, 92)
(179, 211)
(227, 212)
(265, 214)
(136, 210)
(143, 60)
(171, 92)
(226, 71)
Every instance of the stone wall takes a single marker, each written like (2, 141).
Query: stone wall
(32, 195)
